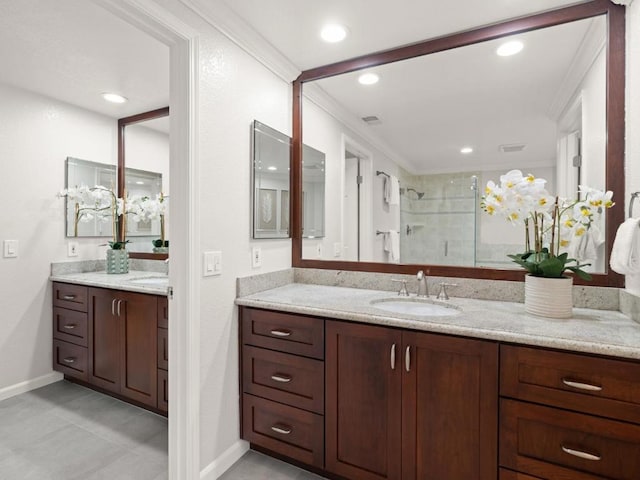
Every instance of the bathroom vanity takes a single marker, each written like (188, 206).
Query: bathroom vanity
(331, 382)
(112, 339)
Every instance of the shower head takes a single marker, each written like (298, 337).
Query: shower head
(419, 194)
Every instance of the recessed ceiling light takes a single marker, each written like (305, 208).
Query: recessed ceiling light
(333, 33)
(466, 150)
(114, 98)
(510, 48)
(368, 78)
(272, 168)
(139, 182)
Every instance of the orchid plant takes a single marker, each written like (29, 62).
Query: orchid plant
(550, 223)
(102, 203)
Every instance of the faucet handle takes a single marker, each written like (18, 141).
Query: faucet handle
(403, 292)
(442, 294)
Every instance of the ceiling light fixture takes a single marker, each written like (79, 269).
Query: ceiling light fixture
(466, 150)
(510, 48)
(114, 98)
(333, 33)
(368, 78)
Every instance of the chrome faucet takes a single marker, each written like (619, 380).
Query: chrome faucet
(423, 288)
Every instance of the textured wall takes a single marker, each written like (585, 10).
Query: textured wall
(36, 136)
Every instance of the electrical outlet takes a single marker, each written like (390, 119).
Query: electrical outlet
(319, 250)
(256, 257)
(336, 249)
(72, 249)
(212, 263)
(10, 249)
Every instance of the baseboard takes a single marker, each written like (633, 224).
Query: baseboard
(221, 464)
(22, 387)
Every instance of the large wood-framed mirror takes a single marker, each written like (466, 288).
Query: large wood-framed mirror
(143, 169)
(587, 40)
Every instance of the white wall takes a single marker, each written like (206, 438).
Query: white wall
(234, 89)
(324, 132)
(632, 156)
(36, 136)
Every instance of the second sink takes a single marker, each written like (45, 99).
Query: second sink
(417, 308)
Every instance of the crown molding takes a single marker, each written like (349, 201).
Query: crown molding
(235, 28)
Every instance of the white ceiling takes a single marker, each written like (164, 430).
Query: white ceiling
(293, 26)
(74, 50)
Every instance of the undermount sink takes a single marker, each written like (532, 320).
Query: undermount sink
(151, 281)
(416, 307)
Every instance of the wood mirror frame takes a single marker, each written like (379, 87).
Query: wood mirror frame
(615, 98)
(122, 124)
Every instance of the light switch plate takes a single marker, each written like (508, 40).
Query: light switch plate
(319, 250)
(10, 249)
(212, 263)
(256, 257)
(337, 251)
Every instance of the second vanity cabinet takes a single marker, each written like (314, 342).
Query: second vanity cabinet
(113, 340)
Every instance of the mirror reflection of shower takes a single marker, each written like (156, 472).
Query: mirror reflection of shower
(357, 240)
(418, 194)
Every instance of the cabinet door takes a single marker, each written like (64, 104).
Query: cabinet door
(139, 347)
(450, 405)
(104, 339)
(363, 401)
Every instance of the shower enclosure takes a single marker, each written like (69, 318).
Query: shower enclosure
(439, 219)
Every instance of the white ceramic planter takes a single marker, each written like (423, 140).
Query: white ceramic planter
(548, 297)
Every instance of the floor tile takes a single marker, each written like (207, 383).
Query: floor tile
(254, 466)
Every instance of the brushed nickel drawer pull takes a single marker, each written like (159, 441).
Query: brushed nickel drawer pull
(69, 360)
(407, 359)
(281, 332)
(281, 377)
(393, 356)
(283, 429)
(581, 386)
(580, 454)
(70, 326)
(119, 303)
(68, 297)
(113, 307)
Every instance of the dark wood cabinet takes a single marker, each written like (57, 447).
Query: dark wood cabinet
(123, 348)
(363, 395)
(569, 415)
(110, 339)
(449, 408)
(410, 405)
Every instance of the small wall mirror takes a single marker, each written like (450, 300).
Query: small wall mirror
(79, 221)
(270, 179)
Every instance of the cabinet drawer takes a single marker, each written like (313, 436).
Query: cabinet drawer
(554, 443)
(284, 332)
(289, 431)
(70, 359)
(163, 390)
(163, 348)
(163, 312)
(609, 388)
(511, 475)
(285, 378)
(73, 297)
(70, 326)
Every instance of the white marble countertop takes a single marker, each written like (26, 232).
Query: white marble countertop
(594, 331)
(115, 281)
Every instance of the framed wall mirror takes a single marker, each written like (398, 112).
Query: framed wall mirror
(143, 172)
(271, 160)
(446, 116)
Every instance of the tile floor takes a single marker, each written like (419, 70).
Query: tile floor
(67, 432)
(255, 466)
